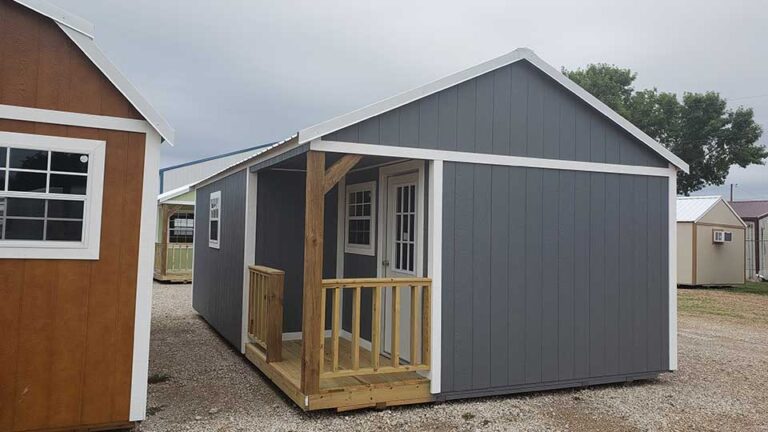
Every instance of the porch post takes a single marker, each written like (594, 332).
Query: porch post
(312, 321)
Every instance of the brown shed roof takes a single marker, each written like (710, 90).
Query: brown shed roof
(751, 209)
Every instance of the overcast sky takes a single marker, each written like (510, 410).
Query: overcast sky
(230, 74)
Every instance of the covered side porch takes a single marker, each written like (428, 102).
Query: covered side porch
(339, 302)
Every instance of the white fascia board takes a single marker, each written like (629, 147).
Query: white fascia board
(319, 130)
(672, 244)
(171, 194)
(59, 15)
(484, 159)
(260, 156)
(94, 53)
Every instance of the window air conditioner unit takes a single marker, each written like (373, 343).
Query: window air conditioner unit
(719, 236)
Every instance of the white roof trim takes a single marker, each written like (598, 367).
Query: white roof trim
(262, 154)
(166, 197)
(59, 15)
(89, 47)
(329, 126)
(81, 33)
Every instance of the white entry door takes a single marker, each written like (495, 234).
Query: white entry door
(400, 255)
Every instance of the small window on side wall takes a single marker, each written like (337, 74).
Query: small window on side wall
(214, 219)
(360, 219)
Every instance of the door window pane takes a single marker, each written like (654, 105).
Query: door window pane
(214, 230)
(64, 230)
(26, 181)
(3, 151)
(2, 180)
(29, 159)
(69, 162)
(68, 184)
(23, 229)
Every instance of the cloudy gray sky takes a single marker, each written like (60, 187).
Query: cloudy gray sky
(230, 74)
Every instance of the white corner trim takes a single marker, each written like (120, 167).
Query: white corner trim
(144, 282)
(435, 270)
(484, 159)
(319, 130)
(12, 112)
(340, 218)
(249, 254)
(89, 247)
(124, 86)
(672, 267)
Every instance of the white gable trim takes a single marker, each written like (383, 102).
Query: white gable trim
(80, 32)
(59, 15)
(94, 53)
(319, 130)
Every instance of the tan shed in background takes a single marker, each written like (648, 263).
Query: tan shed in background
(700, 259)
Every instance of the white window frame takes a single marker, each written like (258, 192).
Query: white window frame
(370, 248)
(89, 247)
(214, 243)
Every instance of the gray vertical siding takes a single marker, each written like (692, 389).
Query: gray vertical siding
(217, 289)
(515, 110)
(551, 278)
(280, 235)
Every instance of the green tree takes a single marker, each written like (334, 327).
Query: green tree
(700, 128)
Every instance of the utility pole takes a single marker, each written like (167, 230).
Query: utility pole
(732, 185)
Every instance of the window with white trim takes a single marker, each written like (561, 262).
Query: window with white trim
(50, 196)
(214, 219)
(360, 221)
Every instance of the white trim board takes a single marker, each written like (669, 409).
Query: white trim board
(483, 158)
(12, 112)
(319, 130)
(435, 270)
(672, 267)
(59, 15)
(249, 254)
(145, 270)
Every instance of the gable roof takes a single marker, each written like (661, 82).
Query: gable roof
(81, 32)
(338, 123)
(693, 208)
(321, 129)
(756, 209)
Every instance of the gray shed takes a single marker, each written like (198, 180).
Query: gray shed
(496, 231)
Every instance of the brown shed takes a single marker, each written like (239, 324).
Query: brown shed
(79, 150)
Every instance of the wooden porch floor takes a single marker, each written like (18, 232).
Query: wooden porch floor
(342, 393)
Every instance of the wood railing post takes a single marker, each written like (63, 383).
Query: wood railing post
(312, 321)
(275, 318)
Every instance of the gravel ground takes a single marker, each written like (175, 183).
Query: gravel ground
(198, 383)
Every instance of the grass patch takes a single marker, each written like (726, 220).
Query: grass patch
(158, 377)
(154, 410)
(467, 416)
(759, 288)
(701, 305)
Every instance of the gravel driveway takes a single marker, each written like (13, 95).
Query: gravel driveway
(199, 383)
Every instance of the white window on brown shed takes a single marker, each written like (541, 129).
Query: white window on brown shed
(50, 196)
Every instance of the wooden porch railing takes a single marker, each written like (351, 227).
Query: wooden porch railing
(265, 310)
(417, 288)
